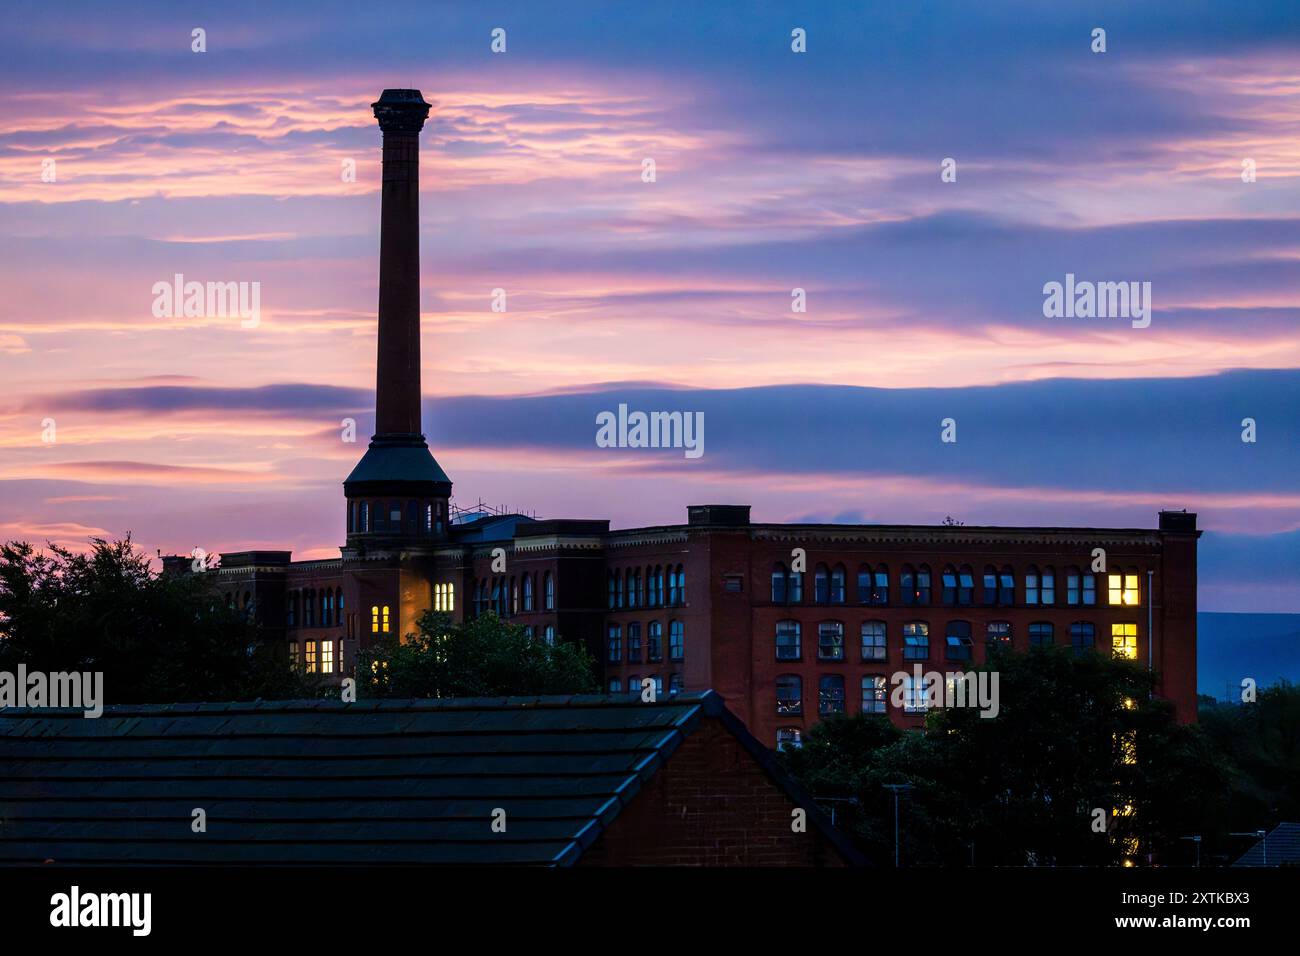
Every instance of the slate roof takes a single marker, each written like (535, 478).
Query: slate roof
(409, 781)
(395, 462)
(1283, 848)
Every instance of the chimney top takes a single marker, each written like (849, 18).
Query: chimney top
(400, 111)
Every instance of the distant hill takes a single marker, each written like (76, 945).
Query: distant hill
(1232, 646)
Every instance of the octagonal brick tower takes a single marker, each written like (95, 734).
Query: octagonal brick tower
(397, 495)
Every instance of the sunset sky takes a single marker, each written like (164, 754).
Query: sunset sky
(775, 170)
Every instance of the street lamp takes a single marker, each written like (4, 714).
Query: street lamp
(898, 788)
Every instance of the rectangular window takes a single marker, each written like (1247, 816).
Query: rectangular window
(914, 696)
(873, 641)
(615, 685)
(830, 695)
(873, 694)
(830, 641)
(614, 644)
(1031, 588)
(1049, 587)
(789, 694)
(309, 656)
(675, 684)
(1082, 636)
(998, 634)
(789, 737)
(1072, 589)
(1041, 635)
(634, 643)
(293, 653)
(733, 584)
(959, 643)
(654, 643)
(327, 657)
(788, 641)
(676, 641)
(1124, 640)
(1089, 590)
(916, 642)
(1123, 589)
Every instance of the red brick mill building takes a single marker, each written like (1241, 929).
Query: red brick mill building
(787, 622)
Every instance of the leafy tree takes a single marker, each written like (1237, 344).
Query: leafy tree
(1022, 786)
(156, 638)
(481, 657)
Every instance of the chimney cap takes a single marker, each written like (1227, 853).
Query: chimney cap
(400, 111)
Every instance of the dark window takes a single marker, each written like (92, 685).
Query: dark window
(789, 694)
(1083, 636)
(675, 685)
(822, 585)
(528, 592)
(830, 694)
(949, 585)
(907, 585)
(634, 643)
(880, 589)
(548, 589)
(654, 642)
(998, 634)
(1041, 634)
(958, 640)
(830, 641)
(789, 644)
(864, 584)
(923, 585)
(837, 584)
(778, 584)
(789, 738)
(1007, 587)
(614, 644)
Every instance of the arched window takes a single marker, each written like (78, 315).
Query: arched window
(822, 585)
(676, 641)
(374, 619)
(873, 641)
(514, 595)
(528, 592)
(880, 589)
(907, 585)
(364, 523)
(549, 634)
(654, 642)
(634, 643)
(412, 517)
(1072, 588)
(498, 597)
(965, 586)
(1007, 587)
(681, 584)
(788, 641)
(384, 618)
(614, 644)
(830, 694)
(837, 584)
(634, 589)
(548, 591)
(291, 610)
(428, 517)
(1047, 587)
(949, 585)
(789, 694)
(990, 584)
(659, 586)
(326, 607)
(864, 584)
(338, 616)
(672, 586)
(621, 582)
(610, 587)
(1031, 586)
(778, 584)
(309, 608)
(923, 585)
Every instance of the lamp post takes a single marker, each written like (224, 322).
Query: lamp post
(1262, 836)
(898, 788)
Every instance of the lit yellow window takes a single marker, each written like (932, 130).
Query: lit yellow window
(309, 656)
(1130, 703)
(444, 597)
(1124, 641)
(1126, 744)
(327, 657)
(374, 619)
(1123, 589)
(385, 618)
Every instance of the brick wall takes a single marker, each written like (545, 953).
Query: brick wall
(710, 805)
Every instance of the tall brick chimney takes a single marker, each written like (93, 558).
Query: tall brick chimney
(398, 495)
(401, 115)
